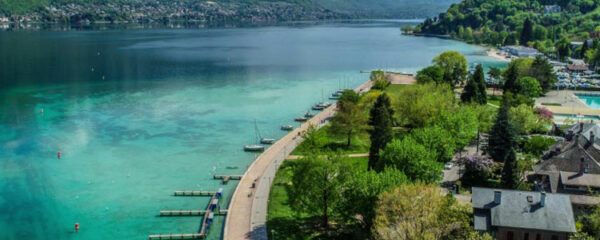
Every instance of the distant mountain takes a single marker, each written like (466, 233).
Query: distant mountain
(215, 10)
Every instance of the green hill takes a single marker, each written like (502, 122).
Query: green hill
(500, 22)
(296, 9)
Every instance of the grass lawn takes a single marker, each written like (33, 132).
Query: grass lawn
(335, 144)
(497, 100)
(285, 223)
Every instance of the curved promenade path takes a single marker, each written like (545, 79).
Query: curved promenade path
(247, 212)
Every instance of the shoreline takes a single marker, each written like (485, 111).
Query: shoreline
(247, 214)
(493, 53)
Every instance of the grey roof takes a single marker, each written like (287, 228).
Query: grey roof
(575, 179)
(516, 212)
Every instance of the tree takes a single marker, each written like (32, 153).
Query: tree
(475, 90)
(316, 187)
(479, 77)
(510, 172)
(418, 211)
(540, 33)
(470, 92)
(418, 105)
(485, 120)
(477, 169)
(510, 75)
(496, 75)
(411, 158)
(563, 48)
(529, 87)
(431, 74)
(525, 120)
(527, 32)
(314, 138)
(440, 141)
(349, 96)
(591, 223)
(381, 119)
(543, 71)
(377, 75)
(454, 65)
(362, 192)
(348, 120)
(503, 136)
(461, 123)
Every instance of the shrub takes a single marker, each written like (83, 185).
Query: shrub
(536, 145)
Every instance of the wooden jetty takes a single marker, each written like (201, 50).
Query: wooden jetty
(183, 213)
(205, 218)
(177, 236)
(226, 178)
(194, 193)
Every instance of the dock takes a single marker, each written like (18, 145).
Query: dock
(226, 178)
(177, 236)
(208, 214)
(194, 193)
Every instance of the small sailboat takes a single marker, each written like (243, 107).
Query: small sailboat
(318, 107)
(300, 119)
(287, 127)
(255, 147)
(309, 114)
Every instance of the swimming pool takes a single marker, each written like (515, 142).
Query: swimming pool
(574, 117)
(590, 99)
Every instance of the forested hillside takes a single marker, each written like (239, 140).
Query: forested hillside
(502, 22)
(215, 10)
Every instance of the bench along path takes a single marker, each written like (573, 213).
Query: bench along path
(247, 215)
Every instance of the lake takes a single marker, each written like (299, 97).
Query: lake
(139, 113)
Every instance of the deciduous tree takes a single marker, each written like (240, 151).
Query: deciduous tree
(454, 65)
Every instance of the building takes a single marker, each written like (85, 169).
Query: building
(521, 51)
(572, 167)
(522, 215)
(549, 9)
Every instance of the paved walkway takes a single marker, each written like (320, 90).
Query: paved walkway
(247, 214)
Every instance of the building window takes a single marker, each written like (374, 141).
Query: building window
(526, 237)
(510, 235)
(538, 237)
(554, 237)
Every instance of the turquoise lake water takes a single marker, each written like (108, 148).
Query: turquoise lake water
(591, 101)
(140, 113)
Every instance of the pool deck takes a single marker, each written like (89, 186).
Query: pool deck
(247, 214)
(570, 104)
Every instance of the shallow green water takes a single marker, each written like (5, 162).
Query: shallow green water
(138, 114)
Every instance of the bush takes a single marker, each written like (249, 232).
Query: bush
(536, 145)
(380, 85)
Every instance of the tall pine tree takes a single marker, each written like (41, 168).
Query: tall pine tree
(503, 136)
(510, 172)
(381, 121)
(475, 90)
(511, 76)
(527, 32)
(470, 91)
(479, 77)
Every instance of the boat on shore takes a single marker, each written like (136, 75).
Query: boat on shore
(318, 108)
(301, 119)
(254, 148)
(257, 147)
(287, 127)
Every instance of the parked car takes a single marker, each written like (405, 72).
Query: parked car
(448, 165)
